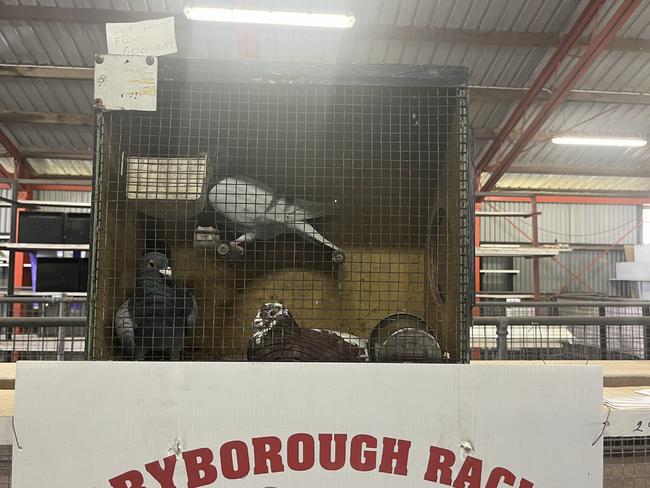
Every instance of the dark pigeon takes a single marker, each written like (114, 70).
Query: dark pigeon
(153, 323)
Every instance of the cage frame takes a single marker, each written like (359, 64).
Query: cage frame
(365, 75)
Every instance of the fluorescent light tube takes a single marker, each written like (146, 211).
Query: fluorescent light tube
(600, 141)
(249, 16)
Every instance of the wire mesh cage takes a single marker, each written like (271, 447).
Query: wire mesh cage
(626, 462)
(295, 212)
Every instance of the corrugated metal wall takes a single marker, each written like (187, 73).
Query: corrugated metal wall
(565, 223)
(64, 196)
(583, 270)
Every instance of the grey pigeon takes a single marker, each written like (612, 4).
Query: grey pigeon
(154, 321)
(277, 337)
(261, 214)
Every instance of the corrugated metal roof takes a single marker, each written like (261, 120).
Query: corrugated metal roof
(71, 44)
(61, 167)
(513, 181)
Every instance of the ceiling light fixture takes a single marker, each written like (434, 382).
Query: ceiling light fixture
(600, 141)
(250, 16)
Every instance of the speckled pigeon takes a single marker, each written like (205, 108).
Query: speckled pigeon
(277, 337)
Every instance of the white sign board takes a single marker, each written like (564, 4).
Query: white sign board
(146, 38)
(126, 82)
(286, 425)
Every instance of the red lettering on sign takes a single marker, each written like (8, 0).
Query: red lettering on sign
(499, 475)
(325, 451)
(399, 456)
(130, 479)
(199, 467)
(266, 451)
(234, 452)
(335, 452)
(363, 459)
(294, 444)
(163, 474)
(469, 475)
(439, 466)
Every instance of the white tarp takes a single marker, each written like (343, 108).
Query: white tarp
(127, 425)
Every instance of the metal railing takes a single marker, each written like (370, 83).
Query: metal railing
(573, 329)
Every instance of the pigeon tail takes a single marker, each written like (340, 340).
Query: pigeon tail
(314, 209)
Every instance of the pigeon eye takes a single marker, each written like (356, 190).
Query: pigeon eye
(273, 313)
(151, 264)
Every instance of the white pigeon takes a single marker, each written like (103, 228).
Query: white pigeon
(262, 214)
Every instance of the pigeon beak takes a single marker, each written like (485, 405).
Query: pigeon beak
(166, 272)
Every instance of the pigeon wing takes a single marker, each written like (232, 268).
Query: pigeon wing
(190, 321)
(241, 201)
(125, 326)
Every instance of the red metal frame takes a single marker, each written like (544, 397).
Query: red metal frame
(584, 20)
(595, 48)
(574, 199)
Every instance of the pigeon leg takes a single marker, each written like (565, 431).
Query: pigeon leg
(341, 276)
(139, 355)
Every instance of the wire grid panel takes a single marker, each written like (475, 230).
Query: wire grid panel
(341, 207)
(562, 340)
(626, 462)
(44, 342)
(5, 466)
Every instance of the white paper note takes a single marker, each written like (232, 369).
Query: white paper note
(146, 38)
(126, 82)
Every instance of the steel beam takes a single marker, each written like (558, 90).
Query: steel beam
(503, 93)
(46, 321)
(568, 303)
(46, 72)
(477, 92)
(568, 43)
(614, 25)
(560, 320)
(13, 116)
(53, 153)
(579, 170)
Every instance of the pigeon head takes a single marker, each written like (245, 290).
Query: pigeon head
(269, 315)
(156, 261)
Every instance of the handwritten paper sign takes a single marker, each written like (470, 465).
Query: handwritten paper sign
(146, 38)
(126, 82)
